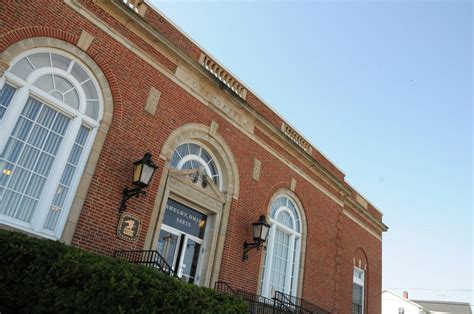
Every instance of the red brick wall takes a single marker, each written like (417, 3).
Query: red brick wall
(332, 238)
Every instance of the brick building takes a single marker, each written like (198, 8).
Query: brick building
(88, 87)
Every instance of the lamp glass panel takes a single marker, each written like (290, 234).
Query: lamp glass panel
(257, 232)
(137, 172)
(147, 173)
(265, 230)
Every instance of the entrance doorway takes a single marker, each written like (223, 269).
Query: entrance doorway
(181, 240)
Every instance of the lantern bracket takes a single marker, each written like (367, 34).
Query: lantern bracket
(250, 246)
(128, 194)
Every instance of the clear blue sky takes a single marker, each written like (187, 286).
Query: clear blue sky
(384, 89)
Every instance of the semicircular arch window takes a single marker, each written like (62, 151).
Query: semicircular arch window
(282, 257)
(61, 77)
(194, 156)
(50, 108)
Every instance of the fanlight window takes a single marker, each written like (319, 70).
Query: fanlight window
(282, 258)
(193, 156)
(62, 78)
(49, 112)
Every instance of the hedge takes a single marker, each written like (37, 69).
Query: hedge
(45, 276)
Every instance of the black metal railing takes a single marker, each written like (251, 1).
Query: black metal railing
(356, 308)
(149, 258)
(298, 305)
(257, 304)
(281, 304)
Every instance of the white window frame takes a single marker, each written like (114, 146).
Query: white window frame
(270, 244)
(360, 282)
(201, 161)
(25, 89)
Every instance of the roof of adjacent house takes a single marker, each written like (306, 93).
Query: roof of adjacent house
(402, 298)
(445, 306)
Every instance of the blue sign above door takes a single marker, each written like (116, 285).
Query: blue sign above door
(185, 219)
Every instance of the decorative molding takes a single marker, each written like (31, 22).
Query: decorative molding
(152, 100)
(362, 201)
(357, 208)
(213, 128)
(296, 138)
(257, 165)
(293, 184)
(181, 182)
(214, 96)
(223, 76)
(137, 6)
(85, 40)
(3, 67)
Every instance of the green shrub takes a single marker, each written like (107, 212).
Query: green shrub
(44, 276)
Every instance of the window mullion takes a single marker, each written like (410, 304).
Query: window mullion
(12, 115)
(269, 260)
(57, 169)
(289, 264)
(297, 265)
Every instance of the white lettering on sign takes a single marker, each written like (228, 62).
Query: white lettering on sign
(182, 213)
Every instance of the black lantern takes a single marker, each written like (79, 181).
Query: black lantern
(143, 171)
(260, 231)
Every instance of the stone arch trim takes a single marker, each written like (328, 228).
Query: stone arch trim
(103, 77)
(218, 146)
(279, 191)
(19, 40)
(359, 259)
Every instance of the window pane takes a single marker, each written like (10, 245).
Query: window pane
(26, 209)
(22, 68)
(89, 90)
(72, 98)
(45, 83)
(183, 150)
(357, 294)
(26, 166)
(12, 150)
(278, 274)
(92, 109)
(29, 157)
(31, 109)
(58, 203)
(6, 95)
(40, 60)
(37, 136)
(62, 84)
(78, 73)
(194, 149)
(60, 124)
(60, 62)
(46, 117)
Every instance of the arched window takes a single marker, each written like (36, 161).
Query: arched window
(282, 257)
(194, 156)
(50, 108)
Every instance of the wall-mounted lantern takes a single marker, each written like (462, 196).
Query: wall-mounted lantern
(143, 171)
(260, 232)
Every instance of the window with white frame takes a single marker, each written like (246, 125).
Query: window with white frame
(50, 108)
(282, 256)
(194, 156)
(358, 286)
